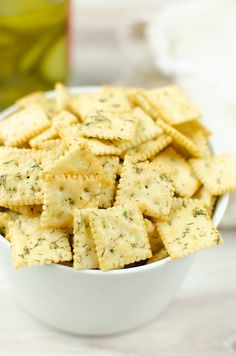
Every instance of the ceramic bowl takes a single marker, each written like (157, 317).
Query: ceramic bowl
(92, 302)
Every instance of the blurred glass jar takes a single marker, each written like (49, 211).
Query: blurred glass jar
(33, 46)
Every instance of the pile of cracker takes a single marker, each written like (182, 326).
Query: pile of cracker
(110, 179)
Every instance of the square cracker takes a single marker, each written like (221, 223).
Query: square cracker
(171, 105)
(62, 97)
(153, 235)
(198, 134)
(79, 160)
(149, 148)
(21, 126)
(120, 236)
(84, 252)
(110, 166)
(149, 188)
(20, 189)
(189, 229)
(159, 255)
(32, 245)
(206, 198)
(48, 134)
(189, 128)
(146, 130)
(110, 125)
(64, 118)
(63, 194)
(5, 218)
(107, 99)
(217, 174)
(186, 184)
(56, 145)
(20, 175)
(73, 137)
(180, 139)
(29, 99)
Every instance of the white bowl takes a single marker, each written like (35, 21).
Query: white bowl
(92, 302)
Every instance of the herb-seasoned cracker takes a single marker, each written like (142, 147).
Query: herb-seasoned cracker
(186, 184)
(149, 148)
(189, 128)
(171, 105)
(29, 99)
(27, 210)
(110, 125)
(63, 194)
(18, 128)
(189, 229)
(108, 188)
(73, 137)
(180, 139)
(79, 160)
(55, 145)
(5, 218)
(32, 245)
(153, 235)
(120, 236)
(159, 255)
(217, 174)
(108, 99)
(84, 252)
(62, 97)
(141, 183)
(64, 118)
(198, 134)
(48, 134)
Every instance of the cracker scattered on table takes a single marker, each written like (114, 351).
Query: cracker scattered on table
(186, 184)
(63, 194)
(32, 245)
(188, 229)
(120, 236)
(84, 252)
(140, 182)
(23, 125)
(217, 174)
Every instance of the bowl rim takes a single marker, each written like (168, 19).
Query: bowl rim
(219, 211)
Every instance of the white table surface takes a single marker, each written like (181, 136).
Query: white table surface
(201, 320)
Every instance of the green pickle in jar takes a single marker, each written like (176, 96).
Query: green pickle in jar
(33, 46)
